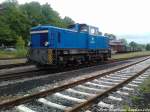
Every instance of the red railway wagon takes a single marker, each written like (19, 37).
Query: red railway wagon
(117, 46)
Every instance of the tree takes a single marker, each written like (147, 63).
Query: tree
(32, 11)
(68, 21)
(133, 45)
(13, 22)
(16, 20)
(148, 47)
(7, 35)
(42, 14)
(141, 47)
(110, 36)
(124, 41)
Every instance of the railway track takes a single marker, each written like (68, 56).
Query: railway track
(12, 58)
(13, 65)
(74, 96)
(12, 62)
(17, 72)
(7, 66)
(25, 70)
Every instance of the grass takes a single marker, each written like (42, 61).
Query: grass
(13, 54)
(145, 87)
(142, 99)
(130, 55)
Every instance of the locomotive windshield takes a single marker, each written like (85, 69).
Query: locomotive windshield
(84, 28)
(79, 27)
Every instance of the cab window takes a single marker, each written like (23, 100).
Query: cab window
(93, 31)
(83, 28)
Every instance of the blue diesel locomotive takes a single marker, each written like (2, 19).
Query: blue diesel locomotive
(77, 44)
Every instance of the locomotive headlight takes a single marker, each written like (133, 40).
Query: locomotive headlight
(46, 43)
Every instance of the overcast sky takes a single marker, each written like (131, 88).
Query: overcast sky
(129, 19)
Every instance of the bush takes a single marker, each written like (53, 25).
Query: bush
(21, 53)
(20, 44)
(148, 47)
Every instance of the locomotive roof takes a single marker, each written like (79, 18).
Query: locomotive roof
(46, 27)
(40, 27)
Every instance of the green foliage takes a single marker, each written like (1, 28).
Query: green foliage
(43, 14)
(16, 20)
(127, 108)
(136, 46)
(133, 44)
(141, 100)
(145, 87)
(13, 54)
(135, 98)
(13, 22)
(20, 44)
(6, 54)
(68, 21)
(21, 53)
(110, 36)
(148, 47)
(124, 41)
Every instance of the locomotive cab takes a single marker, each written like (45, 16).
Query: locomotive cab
(91, 30)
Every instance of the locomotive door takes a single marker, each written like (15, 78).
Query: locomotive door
(54, 40)
(35, 39)
(54, 44)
